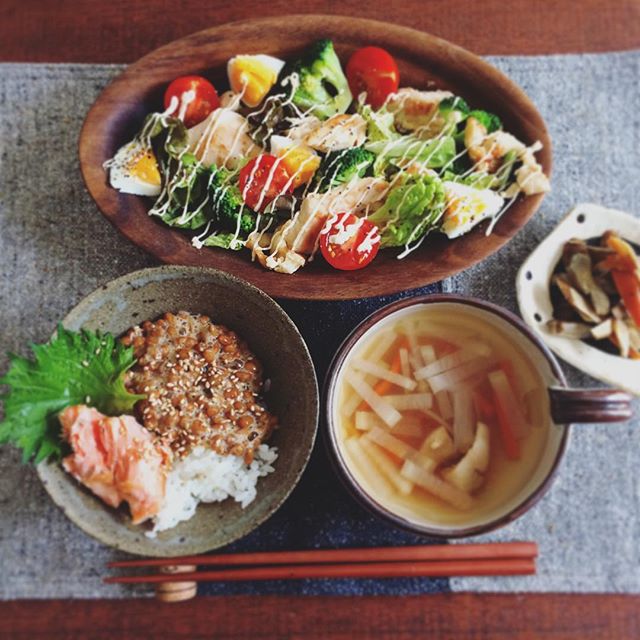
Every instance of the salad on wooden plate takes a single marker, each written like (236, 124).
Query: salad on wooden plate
(301, 158)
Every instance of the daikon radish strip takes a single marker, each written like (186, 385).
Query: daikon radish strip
(454, 377)
(391, 443)
(366, 420)
(439, 420)
(436, 486)
(378, 483)
(411, 401)
(409, 428)
(386, 466)
(405, 365)
(428, 354)
(463, 419)
(438, 446)
(377, 352)
(383, 373)
(382, 345)
(537, 400)
(388, 414)
(442, 397)
(507, 403)
(444, 404)
(468, 473)
(453, 360)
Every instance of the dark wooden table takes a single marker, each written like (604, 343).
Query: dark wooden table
(121, 31)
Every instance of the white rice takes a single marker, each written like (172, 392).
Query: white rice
(206, 476)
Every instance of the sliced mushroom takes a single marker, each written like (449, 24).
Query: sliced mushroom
(621, 333)
(602, 330)
(570, 248)
(573, 330)
(618, 312)
(576, 300)
(634, 336)
(579, 270)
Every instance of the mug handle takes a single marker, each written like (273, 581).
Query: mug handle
(589, 405)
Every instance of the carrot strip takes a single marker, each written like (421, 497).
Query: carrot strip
(484, 409)
(629, 289)
(509, 440)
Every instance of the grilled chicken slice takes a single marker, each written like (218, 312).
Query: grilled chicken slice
(222, 139)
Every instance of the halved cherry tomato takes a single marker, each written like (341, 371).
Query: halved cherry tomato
(375, 71)
(348, 242)
(205, 98)
(262, 180)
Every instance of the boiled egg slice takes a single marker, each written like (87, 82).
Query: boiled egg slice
(466, 206)
(134, 169)
(253, 76)
(300, 161)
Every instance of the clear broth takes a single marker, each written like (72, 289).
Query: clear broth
(505, 478)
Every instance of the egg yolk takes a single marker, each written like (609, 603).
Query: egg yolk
(252, 78)
(300, 163)
(144, 167)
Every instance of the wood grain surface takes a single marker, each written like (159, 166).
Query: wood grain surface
(122, 30)
(424, 61)
(444, 617)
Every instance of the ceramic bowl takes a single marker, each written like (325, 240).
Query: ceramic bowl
(585, 221)
(563, 406)
(270, 334)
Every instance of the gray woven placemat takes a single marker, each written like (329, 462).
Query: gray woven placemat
(55, 248)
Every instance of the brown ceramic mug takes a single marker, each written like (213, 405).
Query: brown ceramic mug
(565, 407)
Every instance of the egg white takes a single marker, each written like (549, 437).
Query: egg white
(472, 206)
(120, 176)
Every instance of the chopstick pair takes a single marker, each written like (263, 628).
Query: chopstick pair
(486, 559)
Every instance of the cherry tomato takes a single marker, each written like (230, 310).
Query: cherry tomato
(348, 242)
(262, 180)
(204, 102)
(375, 71)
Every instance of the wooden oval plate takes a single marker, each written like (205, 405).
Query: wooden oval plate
(424, 61)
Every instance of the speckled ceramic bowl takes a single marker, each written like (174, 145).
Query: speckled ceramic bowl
(271, 335)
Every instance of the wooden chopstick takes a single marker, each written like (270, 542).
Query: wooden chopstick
(476, 551)
(438, 568)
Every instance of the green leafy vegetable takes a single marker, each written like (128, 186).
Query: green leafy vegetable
(379, 124)
(73, 368)
(187, 204)
(411, 209)
(489, 121)
(224, 241)
(339, 167)
(432, 154)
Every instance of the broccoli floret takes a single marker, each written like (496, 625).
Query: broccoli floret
(456, 107)
(489, 121)
(338, 167)
(227, 203)
(318, 82)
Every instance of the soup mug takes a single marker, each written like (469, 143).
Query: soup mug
(565, 406)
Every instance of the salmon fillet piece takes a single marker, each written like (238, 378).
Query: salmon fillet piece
(116, 458)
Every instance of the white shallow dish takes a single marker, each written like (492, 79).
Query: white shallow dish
(532, 285)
